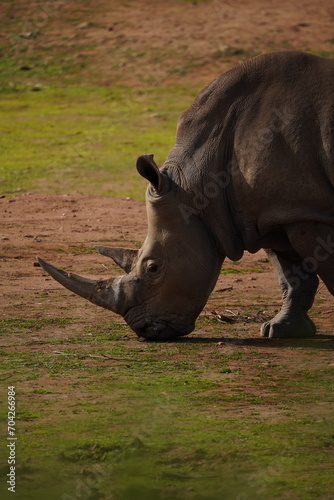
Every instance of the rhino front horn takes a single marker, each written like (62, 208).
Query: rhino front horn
(104, 293)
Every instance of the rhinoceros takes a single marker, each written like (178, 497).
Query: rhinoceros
(252, 168)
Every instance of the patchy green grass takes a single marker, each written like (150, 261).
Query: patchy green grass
(236, 270)
(98, 415)
(20, 325)
(85, 138)
(321, 53)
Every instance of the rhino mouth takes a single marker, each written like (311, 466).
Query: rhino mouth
(161, 330)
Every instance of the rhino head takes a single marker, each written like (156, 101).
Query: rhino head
(167, 281)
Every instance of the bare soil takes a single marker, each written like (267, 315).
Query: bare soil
(139, 43)
(132, 42)
(64, 229)
(148, 42)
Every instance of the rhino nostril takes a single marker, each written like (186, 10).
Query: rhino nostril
(154, 330)
(160, 330)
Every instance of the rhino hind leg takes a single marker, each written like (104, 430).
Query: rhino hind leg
(314, 242)
(298, 288)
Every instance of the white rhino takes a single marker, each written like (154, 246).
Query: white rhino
(252, 168)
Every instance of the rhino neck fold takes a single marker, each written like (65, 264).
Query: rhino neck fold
(204, 181)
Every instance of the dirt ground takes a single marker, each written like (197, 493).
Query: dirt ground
(132, 42)
(147, 42)
(64, 230)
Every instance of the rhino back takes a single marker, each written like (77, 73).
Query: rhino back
(245, 96)
(273, 118)
(284, 142)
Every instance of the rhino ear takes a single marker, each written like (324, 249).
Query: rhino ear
(147, 168)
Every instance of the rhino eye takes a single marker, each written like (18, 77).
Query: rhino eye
(152, 267)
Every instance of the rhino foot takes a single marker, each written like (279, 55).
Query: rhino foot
(294, 327)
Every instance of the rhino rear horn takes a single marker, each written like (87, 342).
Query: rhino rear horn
(104, 293)
(124, 257)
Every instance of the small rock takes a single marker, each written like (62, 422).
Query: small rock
(83, 26)
(29, 34)
(223, 48)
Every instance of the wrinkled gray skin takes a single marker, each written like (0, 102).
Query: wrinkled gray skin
(252, 168)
